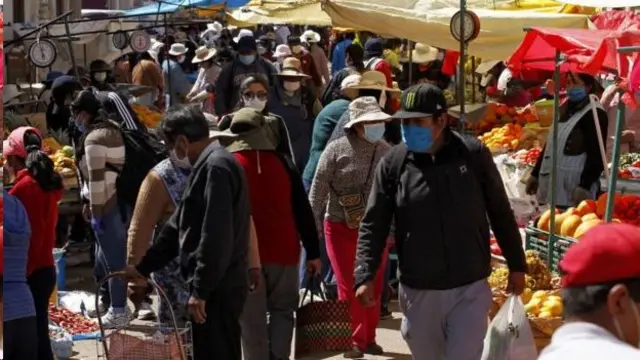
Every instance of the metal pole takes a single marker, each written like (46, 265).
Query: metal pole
(166, 58)
(461, 75)
(70, 44)
(29, 33)
(628, 49)
(473, 79)
(554, 157)
(615, 161)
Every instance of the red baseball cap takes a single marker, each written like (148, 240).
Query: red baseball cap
(606, 253)
(14, 144)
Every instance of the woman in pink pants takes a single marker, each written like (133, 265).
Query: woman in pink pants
(338, 197)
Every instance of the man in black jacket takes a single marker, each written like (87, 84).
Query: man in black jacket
(209, 232)
(440, 187)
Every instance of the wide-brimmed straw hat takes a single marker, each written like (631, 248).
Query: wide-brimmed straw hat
(178, 49)
(310, 37)
(423, 53)
(203, 54)
(373, 80)
(250, 129)
(365, 109)
(10, 92)
(291, 67)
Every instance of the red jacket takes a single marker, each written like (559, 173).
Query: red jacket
(42, 210)
(271, 206)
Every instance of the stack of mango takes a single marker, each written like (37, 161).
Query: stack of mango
(148, 117)
(498, 114)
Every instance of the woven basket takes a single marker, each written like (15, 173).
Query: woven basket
(542, 340)
(545, 326)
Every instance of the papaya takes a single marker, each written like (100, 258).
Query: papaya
(586, 207)
(585, 227)
(569, 225)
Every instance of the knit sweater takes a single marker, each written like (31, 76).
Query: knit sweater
(322, 129)
(102, 146)
(346, 166)
(154, 206)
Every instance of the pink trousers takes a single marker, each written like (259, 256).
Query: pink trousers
(341, 248)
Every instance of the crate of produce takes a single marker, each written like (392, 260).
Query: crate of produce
(551, 251)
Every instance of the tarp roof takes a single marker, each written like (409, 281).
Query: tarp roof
(427, 21)
(169, 6)
(296, 12)
(587, 51)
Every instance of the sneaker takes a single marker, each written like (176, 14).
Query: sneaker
(354, 353)
(102, 310)
(385, 314)
(145, 312)
(111, 320)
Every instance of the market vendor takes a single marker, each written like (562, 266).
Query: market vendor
(630, 137)
(601, 296)
(511, 90)
(58, 113)
(101, 75)
(579, 165)
(39, 188)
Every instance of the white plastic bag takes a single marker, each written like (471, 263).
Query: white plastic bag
(509, 336)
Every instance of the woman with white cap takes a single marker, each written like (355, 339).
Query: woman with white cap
(282, 52)
(338, 196)
(312, 39)
(175, 80)
(208, 74)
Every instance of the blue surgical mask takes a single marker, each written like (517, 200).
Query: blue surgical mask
(418, 139)
(247, 59)
(80, 126)
(576, 94)
(374, 132)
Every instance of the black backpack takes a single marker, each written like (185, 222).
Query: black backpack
(143, 151)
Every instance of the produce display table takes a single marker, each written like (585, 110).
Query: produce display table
(624, 186)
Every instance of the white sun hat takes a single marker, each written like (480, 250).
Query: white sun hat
(365, 109)
(204, 53)
(350, 81)
(243, 33)
(282, 50)
(178, 49)
(310, 37)
(423, 53)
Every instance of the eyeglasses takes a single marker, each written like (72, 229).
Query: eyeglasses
(262, 95)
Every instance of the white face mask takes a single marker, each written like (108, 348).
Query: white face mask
(255, 103)
(182, 163)
(101, 76)
(291, 86)
(636, 315)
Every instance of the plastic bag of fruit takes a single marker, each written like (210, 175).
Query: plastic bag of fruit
(509, 336)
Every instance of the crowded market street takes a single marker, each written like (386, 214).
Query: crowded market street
(320, 179)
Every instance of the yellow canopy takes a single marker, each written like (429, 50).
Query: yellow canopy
(501, 31)
(297, 12)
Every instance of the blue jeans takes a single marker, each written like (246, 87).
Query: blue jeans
(384, 302)
(111, 250)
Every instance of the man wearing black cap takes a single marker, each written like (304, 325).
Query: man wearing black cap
(444, 192)
(246, 63)
(62, 92)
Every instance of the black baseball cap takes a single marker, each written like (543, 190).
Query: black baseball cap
(247, 44)
(87, 100)
(421, 100)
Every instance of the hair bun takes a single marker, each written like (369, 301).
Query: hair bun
(32, 148)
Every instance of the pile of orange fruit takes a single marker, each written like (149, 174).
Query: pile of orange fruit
(148, 117)
(498, 114)
(505, 138)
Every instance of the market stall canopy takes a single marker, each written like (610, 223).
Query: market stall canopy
(616, 19)
(169, 6)
(600, 3)
(586, 51)
(296, 12)
(427, 21)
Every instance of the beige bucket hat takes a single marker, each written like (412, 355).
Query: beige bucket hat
(423, 53)
(374, 80)
(365, 109)
(291, 67)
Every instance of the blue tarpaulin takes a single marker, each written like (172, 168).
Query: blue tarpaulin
(168, 6)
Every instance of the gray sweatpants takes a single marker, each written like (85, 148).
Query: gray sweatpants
(445, 324)
(268, 318)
